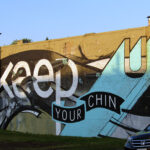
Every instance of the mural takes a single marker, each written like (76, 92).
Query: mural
(108, 96)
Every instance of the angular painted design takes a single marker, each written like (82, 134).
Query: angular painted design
(114, 80)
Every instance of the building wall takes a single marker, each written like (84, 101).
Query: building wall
(90, 85)
(93, 45)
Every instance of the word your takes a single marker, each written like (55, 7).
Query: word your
(68, 115)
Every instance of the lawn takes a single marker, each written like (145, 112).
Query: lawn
(20, 141)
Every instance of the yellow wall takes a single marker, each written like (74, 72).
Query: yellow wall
(93, 45)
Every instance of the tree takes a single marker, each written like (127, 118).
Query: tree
(14, 42)
(46, 38)
(24, 40)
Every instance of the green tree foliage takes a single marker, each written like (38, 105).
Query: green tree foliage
(14, 42)
(24, 40)
(46, 38)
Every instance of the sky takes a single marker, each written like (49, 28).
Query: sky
(38, 19)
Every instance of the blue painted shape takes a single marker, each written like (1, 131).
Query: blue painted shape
(135, 94)
(113, 80)
(135, 57)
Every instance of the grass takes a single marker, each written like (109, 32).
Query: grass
(19, 141)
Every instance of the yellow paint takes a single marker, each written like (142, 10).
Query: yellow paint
(93, 45)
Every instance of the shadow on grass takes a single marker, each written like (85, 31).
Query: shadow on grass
(20, 141)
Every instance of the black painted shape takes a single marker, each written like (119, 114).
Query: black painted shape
(142, 106)
(125, 127)
(68, 115)
(35, 100)
(6, 121)
(135, 75)
(103, 100)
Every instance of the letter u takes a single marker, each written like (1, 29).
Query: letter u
(135, 58)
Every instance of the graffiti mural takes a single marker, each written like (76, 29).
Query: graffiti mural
(108, 96)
